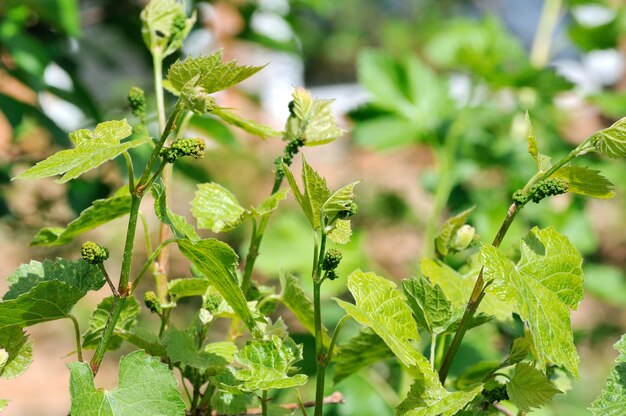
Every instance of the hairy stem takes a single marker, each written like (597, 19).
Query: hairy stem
(320, 357)
(79, 348)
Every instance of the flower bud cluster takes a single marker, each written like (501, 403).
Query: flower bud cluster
(137, 102)
(152, 302)
(92, 253)
(540, 190)
(183, 147)
(496, 394)
(331, 260)
(291, 149)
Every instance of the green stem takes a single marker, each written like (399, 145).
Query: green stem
(205, 402)
(441, 349)
(433, 349)
(157, 65)
(333, 341)
(131, 172)
(550, 14)
(300, 403)
(264, 403)
(118, 305)
(79, 349)
(319, 342)
(146, 232)
(108, 279)
(149, 261)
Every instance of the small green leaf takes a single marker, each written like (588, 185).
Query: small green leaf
(90, 151)
(17, 352)
(431, 309)
(42, 292)
(177, 223)
(448, 230)
(158, 26)
(612, 399)
(586, 181)
(543, 286)
(146, 387)
(611, 141)
(311, 119)
(216, 208)
(100, 212)
(294, 298)
(529, 388)
(208, 72)
(218, 262)
(341, 232)
(100, 317)
(362, 350)
(182, 347)
(518, 352)
(268, 364)
(381, 307)
(340, 199)
(184, 288)
(250, 126)
(270, 204)
(475, 374)
(315, 193)
(144, 339)
(542, 161)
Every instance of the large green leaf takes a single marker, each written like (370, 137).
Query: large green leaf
(146, 387)
(612, 140)
(311, 119)
(100, 212)
(294, 298)
(218, 262)
(177, 223)
(17, 352)
(431, 308)
(529, 388)
(127, 319)
(586, 181)
(158, 26)
(182, 347)
(216, 208)
(363, 350)
(268, 363)
(612, 398)
(458, 288)
(381, 307)
(91, 149)
(543, 286)
(208, 72)
(42, 292)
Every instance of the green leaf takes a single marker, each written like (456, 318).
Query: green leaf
(208, 72)
(311, 119)
(144, 339)
(177, 223)
(17, 352)
(226, 399)
(100, 212)
(146, 387)
(518, 352)
(362, 350)
(270, 204)
(294, 298)
(184, 288)
(182, 347)
(268, 364)
(382, 308)
(431, 309)
(225, 349)
(218, 262)
(428, 397)
(476, 374)
(340, 200)
(341, 232)
(250, 126)
(543, 286)
(216, 208)
(42, 292)
(529, 388)
(448, 230)
(127, 319)
(90, 151)
(158, 29)
(611, 141)
(612, 398)
(458, 288)
(315, 193)
(586, 181)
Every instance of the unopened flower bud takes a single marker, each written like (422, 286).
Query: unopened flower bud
(463, 237)
(92, 253)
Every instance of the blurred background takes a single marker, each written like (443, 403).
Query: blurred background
(434, 93)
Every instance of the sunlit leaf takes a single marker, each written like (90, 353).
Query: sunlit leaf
(529, 388)
(612, 140)
(17, 352)
(216, 208)
(612, 398)
(585, 181)
(311, 119)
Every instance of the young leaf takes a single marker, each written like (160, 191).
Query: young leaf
(216, 208)
(361, 351)
(431, 309)
(294, 298)
(250, 126)
(518, 352)
(529, 388)
(612, 140)
(268, 364)
(207, 72)
(543, 286)
(612, 398)
(90, 151)
(17, 352)
(584, 181)
(100, 212)
(448, 230)
(100, 317)
(311, 119)
(164, 26)
(178, 224)
(340, 199)
(182, 348)
(543, 161)
(42, 292)
(270, 204)
(458, 287)
(341, 232)
(381, 307)
(184, 288)
(315, 193)
(218, 263)
(428, 397)
(146, 387)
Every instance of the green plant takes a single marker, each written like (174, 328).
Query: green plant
(256, 355)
